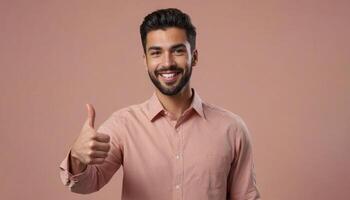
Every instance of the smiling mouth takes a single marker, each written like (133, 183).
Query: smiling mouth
(169, 76)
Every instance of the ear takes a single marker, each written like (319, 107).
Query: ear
(145, 61)
(194, 58)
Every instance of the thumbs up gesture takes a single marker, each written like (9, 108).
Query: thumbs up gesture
(90, 147)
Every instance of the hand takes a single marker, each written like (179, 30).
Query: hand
(90, 147)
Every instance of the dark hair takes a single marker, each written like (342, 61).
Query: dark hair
(166, 18)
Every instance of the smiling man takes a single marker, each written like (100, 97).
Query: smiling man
(174, 145)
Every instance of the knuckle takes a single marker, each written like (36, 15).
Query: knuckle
(90, 152)
(92, 144)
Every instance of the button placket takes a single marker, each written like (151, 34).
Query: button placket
(178, 163)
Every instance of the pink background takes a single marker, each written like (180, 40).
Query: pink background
(283, 66)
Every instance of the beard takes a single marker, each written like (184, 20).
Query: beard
(173, 89)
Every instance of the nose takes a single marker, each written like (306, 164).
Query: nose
(168, 59)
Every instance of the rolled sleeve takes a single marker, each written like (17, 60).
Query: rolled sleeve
(241, 181)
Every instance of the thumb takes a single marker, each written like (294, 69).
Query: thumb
(91, 115)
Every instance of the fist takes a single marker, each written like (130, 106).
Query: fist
(90, 147)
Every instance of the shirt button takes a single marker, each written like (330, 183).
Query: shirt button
(177, 187)
(177, 156)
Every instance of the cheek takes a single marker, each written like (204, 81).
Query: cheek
(152, 63)
(183, 61)
(151, 68)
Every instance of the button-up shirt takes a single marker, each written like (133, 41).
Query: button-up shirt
(206, 154)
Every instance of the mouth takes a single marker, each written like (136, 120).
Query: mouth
(169, 76)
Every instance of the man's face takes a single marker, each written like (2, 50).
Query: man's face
(169, 59)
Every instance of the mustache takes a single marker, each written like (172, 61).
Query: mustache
(171, 68)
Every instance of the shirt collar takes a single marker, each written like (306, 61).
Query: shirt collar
(155, 108)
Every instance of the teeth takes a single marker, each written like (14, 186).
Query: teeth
(168, 75)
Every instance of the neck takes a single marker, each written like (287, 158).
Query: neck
(178, 103)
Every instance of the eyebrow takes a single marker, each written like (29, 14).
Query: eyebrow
(177, 46)
(172, 47)
(153, 48)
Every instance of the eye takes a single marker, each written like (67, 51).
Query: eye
(155, 53)
(179, 51)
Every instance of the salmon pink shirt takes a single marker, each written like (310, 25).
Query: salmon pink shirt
(206, 154)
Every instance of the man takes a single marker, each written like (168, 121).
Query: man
(173, 146)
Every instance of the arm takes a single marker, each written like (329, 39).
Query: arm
(241, 180)
(87, 168)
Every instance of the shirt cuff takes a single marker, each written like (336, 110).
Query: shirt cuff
(67, 178)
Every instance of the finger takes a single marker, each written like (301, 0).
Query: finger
(100, 146)
(97, 161)
(91, 115)
(99, 154)
(101, 137)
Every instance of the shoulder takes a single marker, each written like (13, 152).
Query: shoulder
(119, 119)
(129, 112)
(221, 117)
(214, 112)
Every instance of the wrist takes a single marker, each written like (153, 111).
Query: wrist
(75, 166)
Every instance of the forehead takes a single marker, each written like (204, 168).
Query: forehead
(167, 37)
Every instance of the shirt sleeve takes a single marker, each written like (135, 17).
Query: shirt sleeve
(94, 177)
(241, 180)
